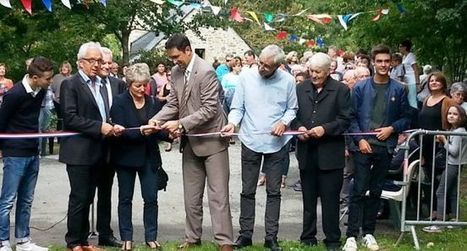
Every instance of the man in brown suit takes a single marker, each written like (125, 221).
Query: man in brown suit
(193, 106)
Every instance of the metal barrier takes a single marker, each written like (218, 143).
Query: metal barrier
(409, 177)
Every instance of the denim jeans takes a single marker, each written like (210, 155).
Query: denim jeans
(126, 186)
(19, 179)
(370, 170)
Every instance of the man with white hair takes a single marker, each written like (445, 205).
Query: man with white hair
(324, 113)
(381, 106)
(262, 124)
(85, 109)
(106, 174)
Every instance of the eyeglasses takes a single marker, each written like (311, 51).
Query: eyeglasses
(93, 60)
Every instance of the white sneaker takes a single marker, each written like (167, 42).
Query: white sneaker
(432, 229)
(350, 244)
(5, 247)
(29, 246)
(369, 242)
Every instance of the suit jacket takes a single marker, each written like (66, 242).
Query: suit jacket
(331, 109)
(132, 149)
(80, 114)
(201, 111)
(118, 86)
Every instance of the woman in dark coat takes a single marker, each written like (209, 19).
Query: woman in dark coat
(134, 153)
(324, 113)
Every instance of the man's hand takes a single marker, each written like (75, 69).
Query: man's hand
(278, 129)
(441, 139)
(384, 132)
(304, 136)
(154, 122)
(364, 147)
(118, 130)
(227, 130)
(148, 129)
(171, 126)
(316, 132)
(107, 129)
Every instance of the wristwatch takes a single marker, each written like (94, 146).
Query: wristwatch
(180, 127)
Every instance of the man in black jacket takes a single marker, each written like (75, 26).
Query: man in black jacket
(106, 174)
(19, 113)
(324, 113)
(85, 107)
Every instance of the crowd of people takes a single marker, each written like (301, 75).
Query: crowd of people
(322, 96)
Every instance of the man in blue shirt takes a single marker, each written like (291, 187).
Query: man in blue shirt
(19, 113)
(264, 104)
(224, 68)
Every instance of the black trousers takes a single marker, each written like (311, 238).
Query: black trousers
(273, 165)
(83, 180)
(105, 179)
(325, 184)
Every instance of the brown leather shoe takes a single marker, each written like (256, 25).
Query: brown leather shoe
(92, 248)
(226, 248)
(76, 248)
(186, 245)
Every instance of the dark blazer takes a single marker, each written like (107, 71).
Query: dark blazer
(118, 86)
(332, 110)
(132, 149)
(80, 114)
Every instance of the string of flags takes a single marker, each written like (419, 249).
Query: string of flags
(27, 4)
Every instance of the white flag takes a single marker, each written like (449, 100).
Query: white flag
(66, 3)
(5, 3)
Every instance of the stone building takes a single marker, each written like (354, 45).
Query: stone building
(213, 43)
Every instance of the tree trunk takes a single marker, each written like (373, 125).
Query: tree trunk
(126, 46)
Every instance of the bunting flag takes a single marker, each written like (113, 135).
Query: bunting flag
(254, 16)
(267, 27)
(400, 8)
(293, 38)
(281, 35)
(176, 3)
(103, 2)
(158, 2)
(320, 42)
(268, 17)
(320, 18)
(380, 12)
(280, 18)
(5, 3)
(27, 6)
(345, 19)
(66, 3)
(301, 41)
(235, 15)
(215, 9)
(47, 4)
(300, 13)
(311, 43)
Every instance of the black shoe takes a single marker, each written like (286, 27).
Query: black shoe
(272, 245)
(110, 241)
(242, 242)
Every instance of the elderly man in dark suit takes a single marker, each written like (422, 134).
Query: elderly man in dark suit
(106, 174)
(324, 113)
(84, 105)
(193, 106)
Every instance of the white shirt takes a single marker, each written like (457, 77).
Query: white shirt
(28, 87)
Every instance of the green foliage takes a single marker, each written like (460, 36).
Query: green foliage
(153, 58)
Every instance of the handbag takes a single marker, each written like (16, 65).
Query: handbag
(162, 178)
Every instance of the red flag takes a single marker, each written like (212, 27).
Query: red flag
(235, 15)
(27, 4)
(311, 43)
(281, 35)
(320, 18)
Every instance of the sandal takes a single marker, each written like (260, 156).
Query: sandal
(153, 244)
(127, 245)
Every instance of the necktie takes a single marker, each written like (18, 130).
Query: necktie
(185, 85)
(105, 97)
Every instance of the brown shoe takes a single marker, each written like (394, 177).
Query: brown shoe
(92, 248)
(76, 248)
(226, 248)
(187, 245)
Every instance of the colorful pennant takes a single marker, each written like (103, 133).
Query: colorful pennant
(66, 3)
(47, 4)
(345, 19)
(27, 5)
(254, 16)
(268, 17)
(320, 18)
(267, 27)
(281, 35)
(5, 3)
(176, 3)
(103, 2)
(235, 15)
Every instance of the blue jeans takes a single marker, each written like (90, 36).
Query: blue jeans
(19, 178)
(126, 186)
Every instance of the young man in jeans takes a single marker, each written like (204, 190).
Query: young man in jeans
(19, 113)
(381, 106)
